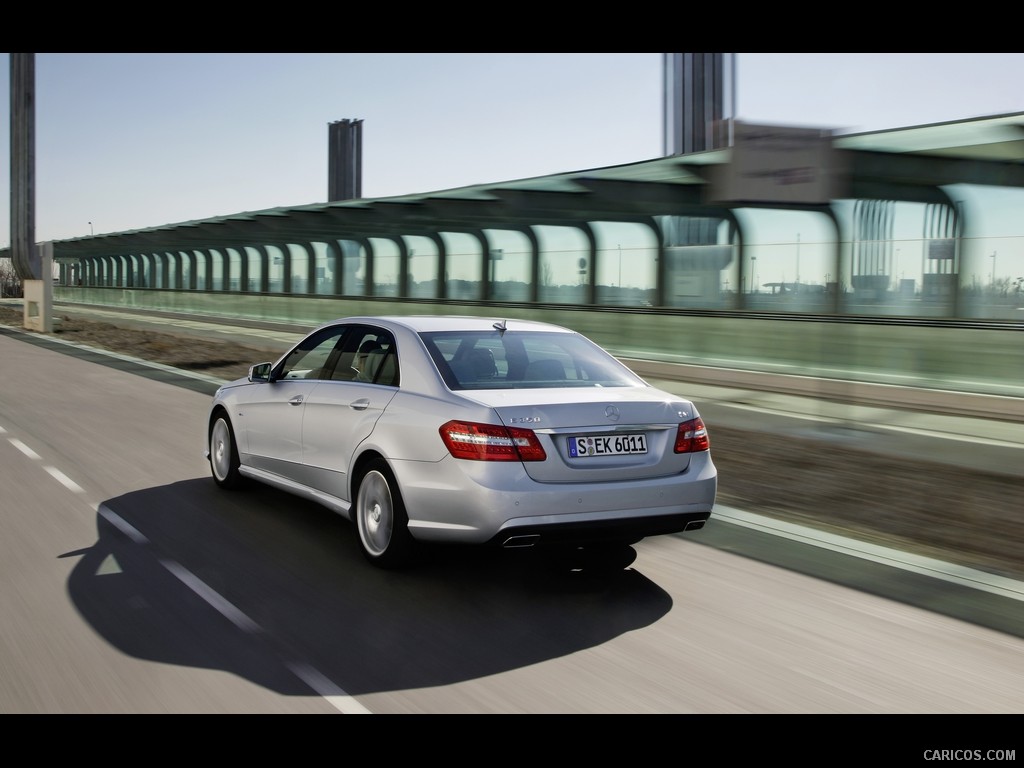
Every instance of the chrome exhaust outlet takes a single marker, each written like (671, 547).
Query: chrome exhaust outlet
(694, 525)
(521, 542)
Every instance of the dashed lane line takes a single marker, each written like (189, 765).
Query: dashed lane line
(331, 692)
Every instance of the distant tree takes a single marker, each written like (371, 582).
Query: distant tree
(10, 283)
(546, 276)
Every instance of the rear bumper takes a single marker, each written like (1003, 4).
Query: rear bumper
(487, 502)
(628, 531)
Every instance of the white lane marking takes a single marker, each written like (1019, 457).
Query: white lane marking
(778, 412)
(59, 476)
(335, 695)
(340, 700)
(219, 604)
(122, 525)
(874, 425)
(968, 577)
(64, 480)
(23, 448)
(947, 436)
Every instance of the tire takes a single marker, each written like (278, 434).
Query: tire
(381, 518)
(224, 454)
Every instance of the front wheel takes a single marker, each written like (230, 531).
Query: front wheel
(224, 454)
(381, 518)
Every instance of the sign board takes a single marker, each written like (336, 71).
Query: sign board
(780, 164)
(942, 250)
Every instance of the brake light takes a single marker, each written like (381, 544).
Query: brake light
(692, 437)
(491, 442)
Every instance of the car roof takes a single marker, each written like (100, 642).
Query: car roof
(427, 323)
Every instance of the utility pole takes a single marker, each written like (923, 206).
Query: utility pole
(798, 258)
(34, 265)
(23, 160)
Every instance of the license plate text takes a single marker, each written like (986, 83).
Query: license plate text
(607, 445)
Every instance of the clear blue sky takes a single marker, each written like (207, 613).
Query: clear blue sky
(135, 140)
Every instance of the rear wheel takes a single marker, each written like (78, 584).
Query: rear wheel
(224, 454)
(381, 518)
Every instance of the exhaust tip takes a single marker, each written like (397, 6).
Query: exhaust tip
(696, 525)
(521, 542)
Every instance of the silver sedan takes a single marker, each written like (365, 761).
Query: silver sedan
(469, 430)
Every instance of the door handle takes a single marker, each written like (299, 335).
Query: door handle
(297, 400)
(360, 405)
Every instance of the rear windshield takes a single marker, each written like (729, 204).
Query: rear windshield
(523, 360)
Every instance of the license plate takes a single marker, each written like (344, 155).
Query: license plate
(606, 445)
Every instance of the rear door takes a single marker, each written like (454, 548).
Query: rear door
(339, 414)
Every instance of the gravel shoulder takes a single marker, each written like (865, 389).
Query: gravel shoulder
(971, 518)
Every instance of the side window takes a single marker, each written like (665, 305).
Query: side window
(315, 357)
(369, 356)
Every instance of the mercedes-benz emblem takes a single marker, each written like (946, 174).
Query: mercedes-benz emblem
(612, 412)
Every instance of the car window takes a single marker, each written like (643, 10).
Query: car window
(523, 360)
(315, 356)
(369, 355)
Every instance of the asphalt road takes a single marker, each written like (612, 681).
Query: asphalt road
(132, 585)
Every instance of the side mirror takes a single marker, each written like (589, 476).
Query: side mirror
(260, 372)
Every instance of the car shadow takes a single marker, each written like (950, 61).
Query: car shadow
(256, 582)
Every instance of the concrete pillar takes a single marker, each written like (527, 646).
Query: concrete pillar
(38, 303)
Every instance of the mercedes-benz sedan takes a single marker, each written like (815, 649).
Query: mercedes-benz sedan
(471, 430)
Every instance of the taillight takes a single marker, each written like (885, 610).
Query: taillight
(491, 442)
(692, 437)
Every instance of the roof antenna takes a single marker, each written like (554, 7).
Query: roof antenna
(499, 326)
